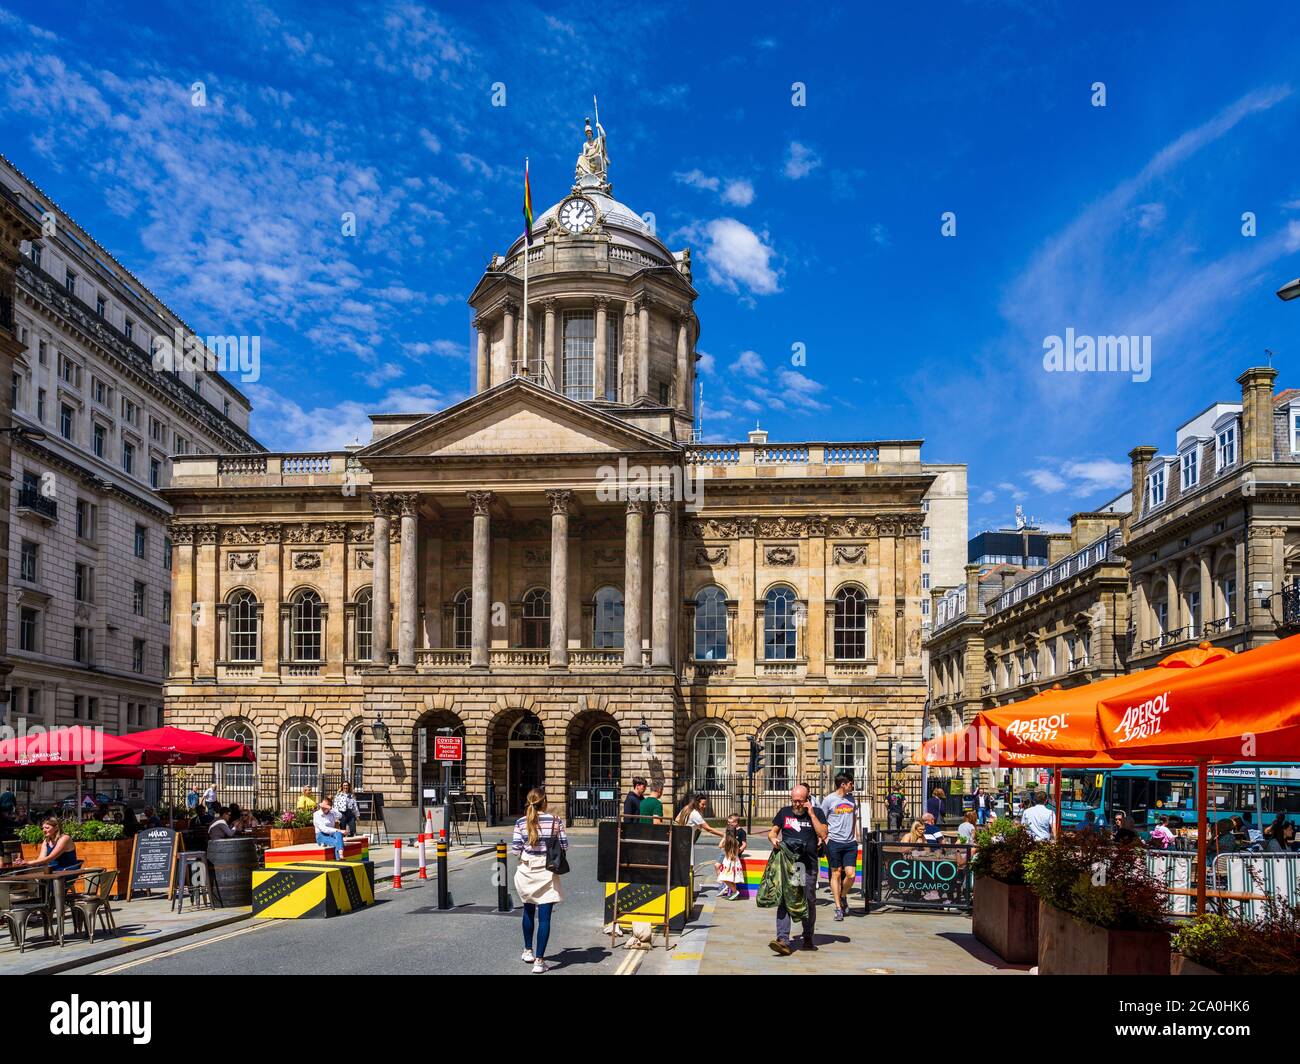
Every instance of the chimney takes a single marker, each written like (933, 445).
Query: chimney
(1257, 413)
(972, 590)
(1141, 459)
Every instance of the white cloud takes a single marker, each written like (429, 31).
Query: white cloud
(285, 424)
(739, 193)
(706, 363)
(735, 257)
(749, 364)
(1011, 489)
(443, 348)
(1101, 474)
(389, 371)
(986, 496)
(1045, 480)
(430, 141)
(800, 161)
(800, 390)
(698, 179)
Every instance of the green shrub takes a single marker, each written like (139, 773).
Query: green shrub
(30, 834)
(1099, 882)
(1231, 946)
(1000, 852)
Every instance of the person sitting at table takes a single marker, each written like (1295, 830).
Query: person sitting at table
(1161, 837)
(58, 853)
(1283, 839)
(151, 819)
(933, 834)
(1124, 832)
(328, 833)
(227, 825)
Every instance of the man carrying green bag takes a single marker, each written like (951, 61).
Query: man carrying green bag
(790, 878)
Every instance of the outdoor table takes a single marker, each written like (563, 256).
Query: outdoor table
(57, 881)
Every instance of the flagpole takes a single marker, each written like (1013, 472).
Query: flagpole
(527, 242)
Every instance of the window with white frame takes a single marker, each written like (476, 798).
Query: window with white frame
(780, 758)
(363, 625)
(305, 625)
(607, 619)
(1295, 431)
(301, 757)
(849, 753)
(233, 774)
(710, 624)
(780, 633)
(579, 352)
(708, 757)
(850, 624)
(1225, 447)
(462, 617)
(241, 626)
(1156, 488)
(1188, 465)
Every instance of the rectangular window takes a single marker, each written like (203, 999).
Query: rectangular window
(98, 439)
(137, 655)
(78, 706)
(69, 371)
(65, 421)
(167, 607)
(28, 629)
(40, 405)
(31, 553)
(167, 553)
(36, 255)
(141, 540)
(42, 352)
(81, 644)
(86, 514)
(167, 660)
(1156, 488)
(155, 473)
(925, 581)
(613, 344)
(129, 329)
(100, 306)
(99, 391)
(84, 583)
(1162, 617)
(138, 595)
(1188, 466)
(925, 557)
(34, 702)
(1194, 611)
(1228, 588)
(1225, 448)
(925, 533)
(16, 392)
(182, 445)
(128, 457)
(157, 430)
(92, 707)
(130, 412)
(70, 283)
(579, 351)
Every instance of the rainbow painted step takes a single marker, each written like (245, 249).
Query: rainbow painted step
(308, 890)
(755, 862)
(354, 849)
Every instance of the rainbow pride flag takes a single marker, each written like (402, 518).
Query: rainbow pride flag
(528, 208)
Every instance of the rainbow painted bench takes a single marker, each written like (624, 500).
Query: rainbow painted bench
(755, 862)
(355, 849)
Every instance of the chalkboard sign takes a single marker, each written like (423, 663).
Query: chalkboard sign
(370, 806)
(643, 845)
(153, 860)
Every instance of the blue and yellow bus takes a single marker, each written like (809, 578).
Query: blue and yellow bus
(1257, 792)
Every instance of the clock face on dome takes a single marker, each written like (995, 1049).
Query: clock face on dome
(577, 215)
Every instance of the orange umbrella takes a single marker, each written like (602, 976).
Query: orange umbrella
(1245, 707)
(977, 746)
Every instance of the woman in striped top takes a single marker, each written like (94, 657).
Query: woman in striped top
(538, 889)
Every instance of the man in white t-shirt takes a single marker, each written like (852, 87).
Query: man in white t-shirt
(1037, 819)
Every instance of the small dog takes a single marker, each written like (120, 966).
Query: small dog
(642, 936)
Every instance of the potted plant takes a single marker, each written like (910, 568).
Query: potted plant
(1101, 911)
(30, 836)
(1005, 910)
(293, 827)
(101, 845)
(1226, 945)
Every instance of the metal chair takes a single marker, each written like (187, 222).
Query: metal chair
(18, 904)
(94, 901)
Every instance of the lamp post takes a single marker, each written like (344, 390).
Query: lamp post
(1290, 290)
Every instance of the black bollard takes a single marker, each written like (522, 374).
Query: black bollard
(444, 893)
(503, 887)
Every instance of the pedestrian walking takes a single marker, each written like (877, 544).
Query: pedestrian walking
(210, 801)
(632, 801)
(1037, 818)
(537, 885)
(840, 811)
(981, 806)
(346, 807)
(796, 831)
(934, 805)
(652, 804)
(895, 807)
(731, 868)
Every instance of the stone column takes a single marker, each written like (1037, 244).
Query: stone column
(661, 599)
(1171, 597)
(560, 499)
(744, 627)
(381, 591)
(407, 566)
(480, 595)
(643, 347)
(627, 361)
(483, 374)
(683, 371)
(598, 391)
(508, 339)
(632, 587)
(548, 346)
(1142, 606)
(1207, 589)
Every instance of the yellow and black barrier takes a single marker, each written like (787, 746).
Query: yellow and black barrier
(644, 903)
(312, 889)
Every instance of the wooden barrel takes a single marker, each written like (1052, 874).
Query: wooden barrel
(233, 861)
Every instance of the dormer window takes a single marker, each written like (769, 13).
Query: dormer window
(1189, 465)
(1295, 431)
(1156, 488)
(1225, 447)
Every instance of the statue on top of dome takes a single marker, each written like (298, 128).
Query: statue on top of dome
(594, 160)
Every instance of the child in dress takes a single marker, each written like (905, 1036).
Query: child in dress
(731, 868)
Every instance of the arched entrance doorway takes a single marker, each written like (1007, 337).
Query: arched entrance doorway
(433, 772)
(526, 760)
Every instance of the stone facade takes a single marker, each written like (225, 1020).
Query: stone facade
(90, 581)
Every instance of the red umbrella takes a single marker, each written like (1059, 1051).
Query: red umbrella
(77, 748)
(178, 746)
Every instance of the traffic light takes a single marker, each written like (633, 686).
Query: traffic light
(900, 761)
(755, 757)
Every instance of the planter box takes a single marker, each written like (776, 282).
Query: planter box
(1067, 946)
(292, 836)
(112, 856)
(1180, 965)
(1005, 918)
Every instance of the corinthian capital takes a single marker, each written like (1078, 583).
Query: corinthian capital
(481, 501)
(406, 502)
(560, 499)
(381, 505)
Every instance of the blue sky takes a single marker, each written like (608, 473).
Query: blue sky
(817, 225)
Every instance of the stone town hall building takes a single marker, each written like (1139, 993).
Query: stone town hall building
(480, 569)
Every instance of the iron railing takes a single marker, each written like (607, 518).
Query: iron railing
(30, 498)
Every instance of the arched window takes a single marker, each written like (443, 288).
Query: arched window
(305, 626)
(780, 640)
(301, 757)
(708, 758)
(780, 757)
(607, 621)
(241, 626)
(353, 754)
(240, 773)
(535, 631)
(850, 624)
(605, 754)
(462, 615)
(363, 624)
(710, 625)
(849, 753)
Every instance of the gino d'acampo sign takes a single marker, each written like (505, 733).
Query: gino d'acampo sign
(913, 876)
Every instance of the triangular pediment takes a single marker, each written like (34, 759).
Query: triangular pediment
(517, 417)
